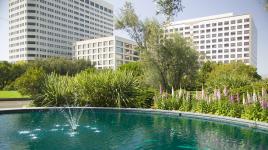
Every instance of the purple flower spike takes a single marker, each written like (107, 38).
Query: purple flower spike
(161, 90)
(264, 104)
(232, 99)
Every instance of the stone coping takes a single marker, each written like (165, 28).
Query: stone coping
(219, 119)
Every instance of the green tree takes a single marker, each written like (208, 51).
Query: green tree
(61, 66)
(30, 83)
(168, 61)
(233, 75)
(203, 73)
(9, 72)
(146, 33)
(5, 68)
(172, 62)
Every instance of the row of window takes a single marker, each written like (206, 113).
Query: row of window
(246, 26)
(208, 25)
(31, 56)
(92, 4)
(103, 43)
(238, 50)
(246, 61)
(226, 45)
(232, 56)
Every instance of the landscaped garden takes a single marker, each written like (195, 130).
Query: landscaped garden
(85, 107)
(169, 76)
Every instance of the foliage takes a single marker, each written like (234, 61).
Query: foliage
(203, 73)
(106, 88)
(223, 107)
(56, 91)
(234, 75)
(172, 62)
(253, 86)
(168, 62)
(146, 33)
(9, 73)
(253, 112)
(30, 82)
(61, 66)
(169, 8)
(136, 68)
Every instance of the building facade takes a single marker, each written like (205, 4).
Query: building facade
(48, 28)
(222, 38)
(107, 52)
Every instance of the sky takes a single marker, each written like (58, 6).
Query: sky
(193, 9)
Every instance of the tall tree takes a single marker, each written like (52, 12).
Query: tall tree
(172, 61)
(168, 61)
(145, 33)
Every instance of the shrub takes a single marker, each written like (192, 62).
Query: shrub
(56, 91)
(201, 106)
(30, 82)
(252, 112)
(107, 88)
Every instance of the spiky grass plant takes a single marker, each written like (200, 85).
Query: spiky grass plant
(56, 91)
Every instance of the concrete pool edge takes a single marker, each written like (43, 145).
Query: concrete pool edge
(221, 119)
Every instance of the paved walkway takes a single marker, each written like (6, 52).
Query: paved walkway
(13, 104)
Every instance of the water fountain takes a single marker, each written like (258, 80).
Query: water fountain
(73, 116)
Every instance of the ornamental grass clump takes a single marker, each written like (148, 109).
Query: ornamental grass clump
(107, 88)
(56, 91)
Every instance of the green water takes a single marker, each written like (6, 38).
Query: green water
(116, 130)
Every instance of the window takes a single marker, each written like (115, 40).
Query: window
(119, 50)
(119, 43)
(246, 55)
(246, 49)
(246, 20)
(246, 26)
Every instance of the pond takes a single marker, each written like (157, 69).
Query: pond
(122, 130)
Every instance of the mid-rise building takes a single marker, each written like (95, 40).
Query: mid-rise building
(48, 28)
(107, 52)
(222, 38)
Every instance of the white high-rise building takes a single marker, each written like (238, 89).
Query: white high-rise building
(222, 38)
(48, 28)
(107, 52)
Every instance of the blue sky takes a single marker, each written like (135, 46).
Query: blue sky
(193, 9)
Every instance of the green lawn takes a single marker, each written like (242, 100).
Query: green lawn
(11, 94)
